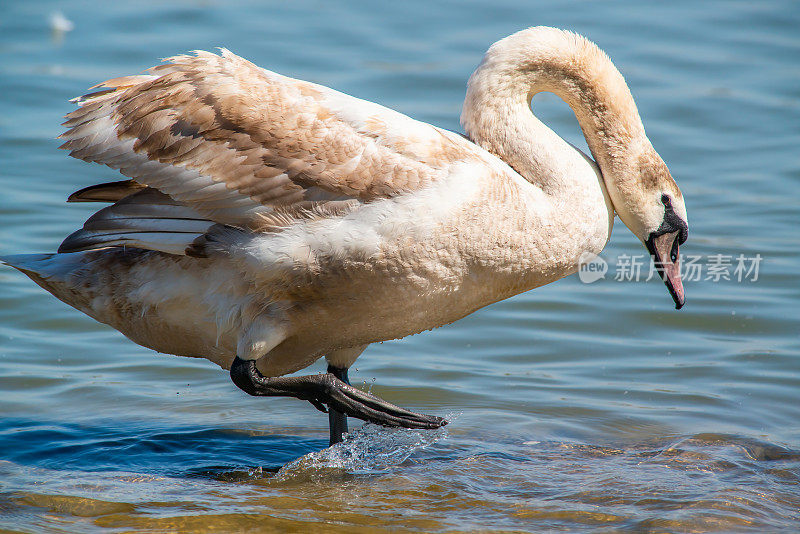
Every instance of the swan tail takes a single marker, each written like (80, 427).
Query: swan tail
(58, 274)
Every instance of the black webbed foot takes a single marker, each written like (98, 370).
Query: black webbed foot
(326, 389)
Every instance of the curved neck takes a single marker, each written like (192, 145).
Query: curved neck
(497, 113)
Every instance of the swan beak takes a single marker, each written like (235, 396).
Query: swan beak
(666, 255)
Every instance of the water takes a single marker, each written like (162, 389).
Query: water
(575, 407)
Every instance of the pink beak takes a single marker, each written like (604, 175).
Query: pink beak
(667, 261)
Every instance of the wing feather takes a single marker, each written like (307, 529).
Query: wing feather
(108, 192)
(235, 142)
(145, 219)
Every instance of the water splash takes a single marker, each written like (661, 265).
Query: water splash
(367, 450)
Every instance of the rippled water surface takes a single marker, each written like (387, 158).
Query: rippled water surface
(574, 407)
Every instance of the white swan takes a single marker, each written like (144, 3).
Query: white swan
(269, 221)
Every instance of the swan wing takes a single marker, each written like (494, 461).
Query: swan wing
(235, 143)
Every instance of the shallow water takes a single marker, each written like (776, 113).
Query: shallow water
(574, 407)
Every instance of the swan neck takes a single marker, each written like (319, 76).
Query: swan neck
(497, 112)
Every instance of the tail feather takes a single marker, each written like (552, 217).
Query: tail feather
(45, 265)
(26, 263)
(54, 273)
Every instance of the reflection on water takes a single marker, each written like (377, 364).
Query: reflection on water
(165, 451)
(591, 407)
(392, 478)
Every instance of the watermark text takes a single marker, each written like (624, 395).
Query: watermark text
(693, 268)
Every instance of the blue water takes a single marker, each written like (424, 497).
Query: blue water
(576, 406)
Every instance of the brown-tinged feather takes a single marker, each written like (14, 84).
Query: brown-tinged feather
(108, 192)
(266, 137)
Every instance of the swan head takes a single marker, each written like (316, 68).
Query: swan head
(497, 116)
(649, 202)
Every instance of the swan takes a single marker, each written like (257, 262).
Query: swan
(266, 222)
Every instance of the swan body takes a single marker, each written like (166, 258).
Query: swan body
(278, 221)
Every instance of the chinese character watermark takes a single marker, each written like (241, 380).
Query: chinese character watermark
(693, 268)
(629, 268)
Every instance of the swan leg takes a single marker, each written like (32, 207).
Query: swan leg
(327, 389)
(336, 419)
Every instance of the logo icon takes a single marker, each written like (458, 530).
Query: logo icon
(591, 268)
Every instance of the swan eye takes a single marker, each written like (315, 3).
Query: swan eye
(666, 200)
